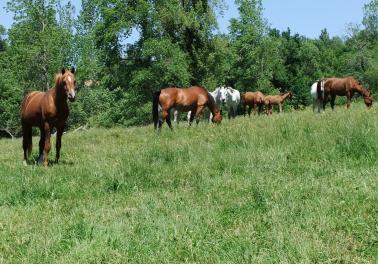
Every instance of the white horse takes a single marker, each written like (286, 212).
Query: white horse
(231, 98)
(314, 94)
(216, 94)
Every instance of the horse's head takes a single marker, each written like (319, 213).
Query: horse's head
(68, 82)
(217, 117)
(216, 94)
(225, 94)
(366, 94)
(222, 94)
(368, 98)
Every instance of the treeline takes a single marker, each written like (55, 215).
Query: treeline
(177, 45)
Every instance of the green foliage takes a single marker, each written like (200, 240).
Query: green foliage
(176, 44)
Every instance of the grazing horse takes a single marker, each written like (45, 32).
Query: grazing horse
(271, 100)
(253, 99)
(342, 87)
(193, 99)
(47, 110)
(231, 98)
(216, 94)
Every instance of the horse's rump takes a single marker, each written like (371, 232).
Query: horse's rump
(31, 108)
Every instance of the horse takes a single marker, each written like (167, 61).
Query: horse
(271, 100)
(193, 99)
(230, 97)
(47, 110)
(216, 94)
(253, 99)
(342, 87)
(314, 94)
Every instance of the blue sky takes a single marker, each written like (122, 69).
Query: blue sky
(306, 17)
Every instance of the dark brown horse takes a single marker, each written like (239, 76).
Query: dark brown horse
(193, 99)
(47, 110)
(253, 99)
(342, 87)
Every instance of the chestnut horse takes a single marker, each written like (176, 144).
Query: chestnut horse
(193, 99)
(253, 99)
(271, 100)
(47, 110)
(343, 87)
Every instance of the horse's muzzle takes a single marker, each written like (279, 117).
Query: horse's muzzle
(71, 99)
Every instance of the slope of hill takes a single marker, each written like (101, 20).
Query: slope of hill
(295, 187)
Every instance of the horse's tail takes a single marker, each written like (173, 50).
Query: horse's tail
(319, 90)
(155, 107)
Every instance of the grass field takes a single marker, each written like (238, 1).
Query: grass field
(291, 188)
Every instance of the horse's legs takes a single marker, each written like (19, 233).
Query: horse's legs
(319, 104)
(260, 109)
(168, 119)
(47, 146)
(280, 107)
(164, 114)
(27, 143)
(325, 98)
(188, 117)
(41, 144)
(199, 112)
(249, 110)
(59, 133)
(348, 96)
(176, 117)
(191, 118)
(333, 97)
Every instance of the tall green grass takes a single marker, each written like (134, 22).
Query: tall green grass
(295, 187)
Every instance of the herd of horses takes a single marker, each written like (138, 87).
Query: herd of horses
(48, 110)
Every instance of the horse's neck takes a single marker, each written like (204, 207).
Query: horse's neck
(284, 96)
(59, 95)
(363, 92)
(212, 107)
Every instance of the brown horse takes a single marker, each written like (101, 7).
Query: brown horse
(342, 87)
(193, 99)
(271, 100)
(253, 99)
(47, 110)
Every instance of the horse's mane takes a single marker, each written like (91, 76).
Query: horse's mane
(211, 102)
(58, 79)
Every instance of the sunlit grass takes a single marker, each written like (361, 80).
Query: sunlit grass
(295, 187)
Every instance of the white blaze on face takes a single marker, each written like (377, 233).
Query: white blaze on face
(71, 92)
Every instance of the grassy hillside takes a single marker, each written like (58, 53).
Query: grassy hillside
(295, 187)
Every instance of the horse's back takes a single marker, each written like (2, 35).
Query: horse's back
(253, 97)
(183, 99)
(338, 86)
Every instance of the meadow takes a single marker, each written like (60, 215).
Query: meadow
(289, 188)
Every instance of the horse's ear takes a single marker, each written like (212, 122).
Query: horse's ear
(63, 70)
(73, 70)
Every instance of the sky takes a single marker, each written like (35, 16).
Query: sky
(306, 17)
